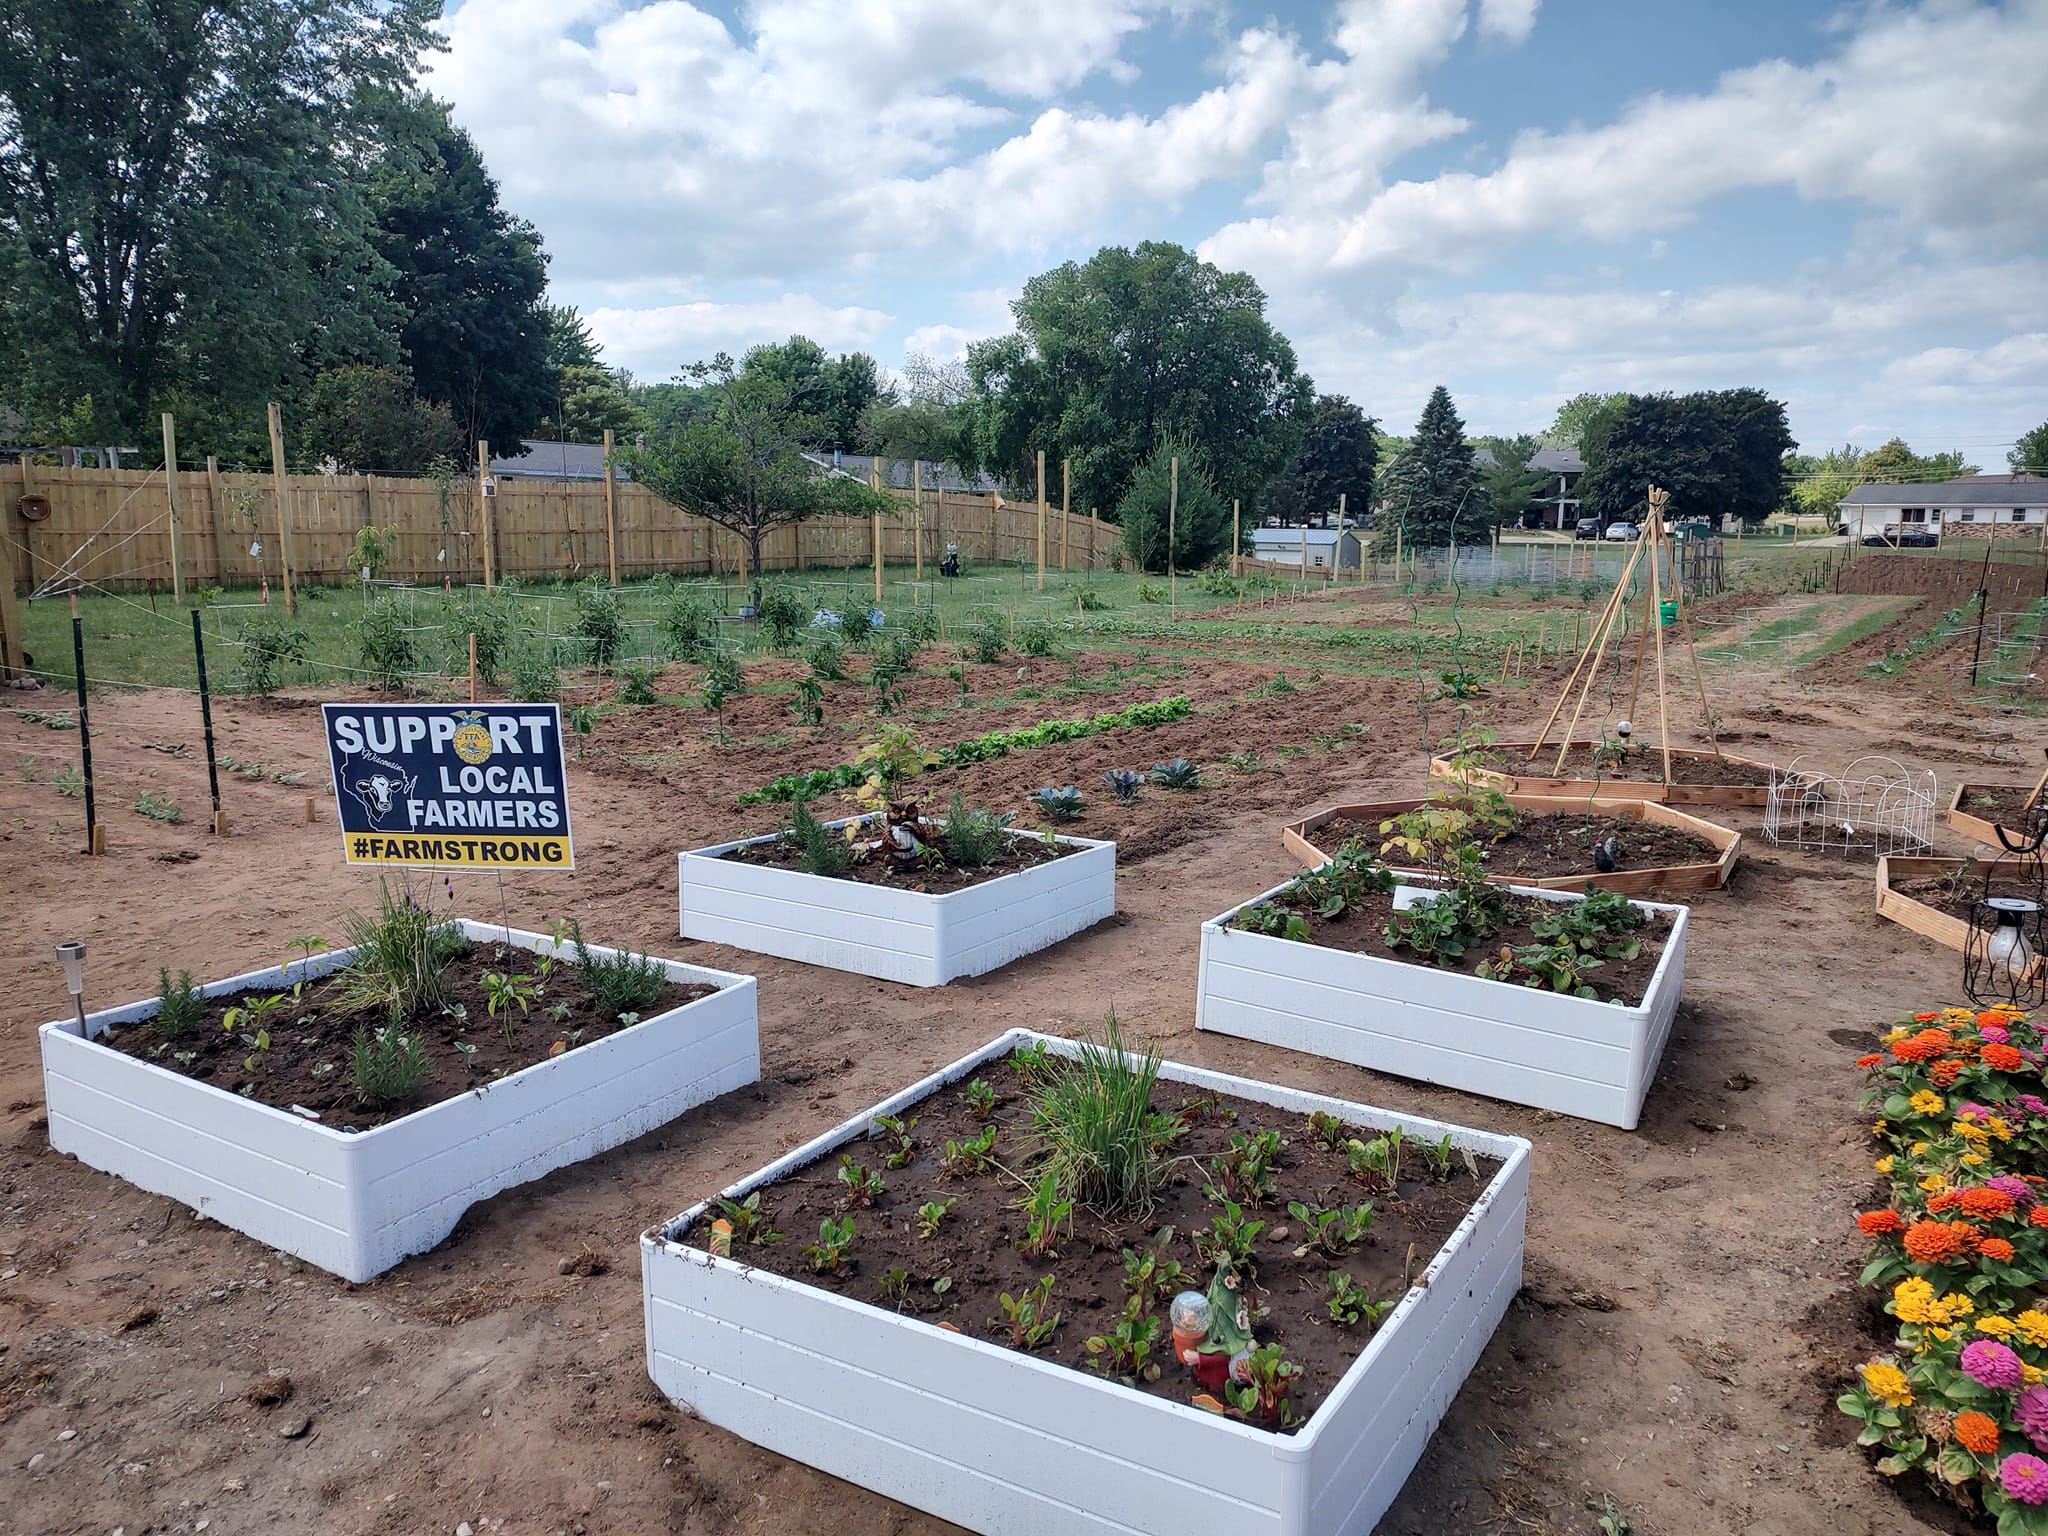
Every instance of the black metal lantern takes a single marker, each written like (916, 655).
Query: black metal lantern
(2005, 952)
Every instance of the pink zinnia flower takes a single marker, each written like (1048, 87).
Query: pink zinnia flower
(2030, 1413)
(2024, 1478)
(1994, 1032)
(2012, 1185)
(1989, 1363)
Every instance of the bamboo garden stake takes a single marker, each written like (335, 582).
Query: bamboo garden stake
(1041, 519)
(611, 522)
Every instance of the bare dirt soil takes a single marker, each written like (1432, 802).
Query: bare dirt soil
(1676, 1346)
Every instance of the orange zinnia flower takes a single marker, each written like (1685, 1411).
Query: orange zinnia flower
(1996, 1248)
(1868, 1061)
(1939, 1242)
(1976, 1432)
(1944, 1073)
(2039, 1216)
(1985, 1203)
(1925, 1018)
(1947, 1200)
(1992, 1018)
(1924, 1046)
(2002, 1058)
(1878, 1223)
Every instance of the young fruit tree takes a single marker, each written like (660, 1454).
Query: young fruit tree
(742, 467)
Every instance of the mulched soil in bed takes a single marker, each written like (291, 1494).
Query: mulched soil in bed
(1999, 803)
(976, 1244)
(314, 1034)
(1958, 896)
(1543, 847)
(1017, 853)
(1363, 925)
(1642, 765)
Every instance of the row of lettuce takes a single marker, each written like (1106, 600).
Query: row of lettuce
(1961, 1256)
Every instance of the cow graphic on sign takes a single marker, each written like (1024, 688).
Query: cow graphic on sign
(379, 793)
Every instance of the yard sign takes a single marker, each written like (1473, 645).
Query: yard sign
(448, 786)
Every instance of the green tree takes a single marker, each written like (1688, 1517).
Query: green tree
(742, 467)
(917, 429)
(2029, 455)
(369, 421)
(469, 277)
(1112, 355)
(1576, 415)
(1199, 520)
(1432, 493)
(177, 204)
(1820, 481)
(1336, 458)
(1511, 486)
(1896, 464)
(1719, 452)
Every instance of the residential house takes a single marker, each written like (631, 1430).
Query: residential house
(543, 459)
(1991, 506)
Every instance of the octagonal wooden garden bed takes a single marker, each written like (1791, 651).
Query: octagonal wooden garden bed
(1300, 838)
(1981, 825)
(1518, 775)
(1931, 922)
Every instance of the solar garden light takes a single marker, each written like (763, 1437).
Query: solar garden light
(72, 954)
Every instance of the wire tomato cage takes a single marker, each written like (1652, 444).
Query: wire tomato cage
(1876, 806)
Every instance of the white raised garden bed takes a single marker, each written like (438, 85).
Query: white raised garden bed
(875, 930)
(1595, 1060)
(1004, 1443)
(356, 1203)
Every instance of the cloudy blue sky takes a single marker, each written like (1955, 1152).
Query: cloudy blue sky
(1844, 204)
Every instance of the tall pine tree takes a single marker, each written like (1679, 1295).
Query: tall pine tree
(1432, 493)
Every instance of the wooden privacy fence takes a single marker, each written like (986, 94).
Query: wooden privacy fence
(112, 528)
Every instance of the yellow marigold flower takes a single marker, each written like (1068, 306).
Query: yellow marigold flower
(1927, 1102)
(1997, 1327)
(2033, 1326)
(1887, 1383)
(1883, 1165)
(1974, 1159)
(1917, 1149)
(1934, 1184)
(1913, 1300)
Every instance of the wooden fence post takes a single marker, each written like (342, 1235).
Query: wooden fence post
(483, 509)
(1066, 510)
(1172, 520)
(875, 481)
(611, 515)
(1041, 519)
(214, 510)
(171, 492)
(10, 613)
(284, 532)
(1236, 538)
(917, 517)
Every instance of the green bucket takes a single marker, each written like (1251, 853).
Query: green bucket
(1667, 611)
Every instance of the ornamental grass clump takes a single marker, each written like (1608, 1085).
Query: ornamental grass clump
(619, 982)
(1093, 1122)
(1960, 1248)
(402, 959)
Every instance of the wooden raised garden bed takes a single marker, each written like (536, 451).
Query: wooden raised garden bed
(1519, 775)
(916, 937)
(1007, 1442)
(1302, 839)
(1969, 815)
(355, 1204)
(1933, 896)
(1574, 1055)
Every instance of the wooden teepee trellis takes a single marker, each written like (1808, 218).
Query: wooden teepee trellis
(1609, 628)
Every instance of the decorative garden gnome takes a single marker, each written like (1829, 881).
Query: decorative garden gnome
(1229, 1328)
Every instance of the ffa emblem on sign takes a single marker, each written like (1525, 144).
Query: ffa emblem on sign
(472, 739)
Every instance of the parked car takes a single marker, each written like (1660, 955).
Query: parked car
(1905, 538)
(1588, 528)
(1619, 533)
